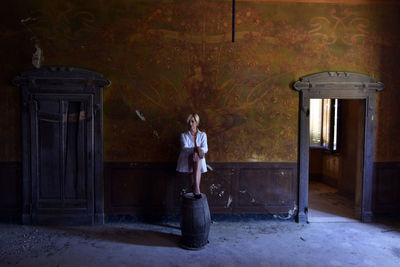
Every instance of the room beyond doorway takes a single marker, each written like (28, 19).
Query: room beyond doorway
(326, 204)
(336, 159)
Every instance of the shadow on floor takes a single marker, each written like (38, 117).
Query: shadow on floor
(125, 235)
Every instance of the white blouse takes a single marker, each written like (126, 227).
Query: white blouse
(187, 149)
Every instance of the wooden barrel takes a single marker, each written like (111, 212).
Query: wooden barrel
(195, 221)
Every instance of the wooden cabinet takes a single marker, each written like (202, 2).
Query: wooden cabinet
(62, 137)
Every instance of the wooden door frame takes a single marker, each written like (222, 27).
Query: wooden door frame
(60, 81)
(343, 85)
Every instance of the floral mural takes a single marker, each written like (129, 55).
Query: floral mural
(167, 59)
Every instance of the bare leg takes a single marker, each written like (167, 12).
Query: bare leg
(193, 178)
(196, 176)
(193, 174)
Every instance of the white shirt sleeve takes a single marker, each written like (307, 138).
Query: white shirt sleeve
(203, 143)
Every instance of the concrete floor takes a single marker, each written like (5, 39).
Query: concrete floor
(251, 243)
(328, 242)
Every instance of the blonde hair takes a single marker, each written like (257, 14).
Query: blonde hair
(195, 117)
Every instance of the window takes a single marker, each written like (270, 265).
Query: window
(324, 124)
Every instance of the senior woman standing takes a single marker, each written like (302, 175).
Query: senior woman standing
(192, 156)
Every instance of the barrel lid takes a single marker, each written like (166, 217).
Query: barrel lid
(191, 196)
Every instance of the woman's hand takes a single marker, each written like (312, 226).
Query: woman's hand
(200, 152)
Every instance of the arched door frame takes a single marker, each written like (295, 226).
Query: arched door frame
(343, 85)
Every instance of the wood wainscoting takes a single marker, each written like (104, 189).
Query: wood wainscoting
(10, 192)
(386, 188)
(231, 188)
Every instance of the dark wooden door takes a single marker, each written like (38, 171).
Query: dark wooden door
(62, 138)
(62, 145)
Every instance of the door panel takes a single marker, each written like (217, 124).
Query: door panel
(64, 144)
(75, 186)
(49, 158)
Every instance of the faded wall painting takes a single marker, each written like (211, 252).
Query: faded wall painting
(167, 59)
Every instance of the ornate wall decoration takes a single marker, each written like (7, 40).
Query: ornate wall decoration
(348, 28)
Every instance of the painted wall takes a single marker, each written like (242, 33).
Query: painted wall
(168, 58)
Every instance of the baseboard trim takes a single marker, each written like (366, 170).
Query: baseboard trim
(11, 218)
(216, 217)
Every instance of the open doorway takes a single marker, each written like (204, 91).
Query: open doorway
(336, 159)
(341, 85)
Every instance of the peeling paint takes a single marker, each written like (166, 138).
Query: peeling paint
(229, 201)
(291, 213)
(140, 115)
(184, 191)
(214, 187)
(37, 57)
(155, 133)
(27, 19)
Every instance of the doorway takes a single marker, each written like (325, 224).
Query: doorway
(62, 148)
(336, 159)
(340, 85)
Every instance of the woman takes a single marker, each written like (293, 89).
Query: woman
(193, 150)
